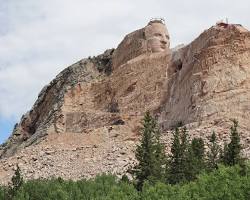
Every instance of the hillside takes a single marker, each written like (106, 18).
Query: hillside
(87, 120)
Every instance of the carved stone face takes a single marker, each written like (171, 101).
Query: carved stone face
(150, 39)
(157, 37)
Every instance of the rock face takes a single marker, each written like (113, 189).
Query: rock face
(209, 79)
(40, 120)
(87, 120)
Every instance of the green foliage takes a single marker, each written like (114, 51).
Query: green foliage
(231, 155)
(224, 183)
(187, 159)
(1, 193)
(159, 191)
(15, 185)
(178, 158)
(213, 153)
(125, 178)
(195, 159)
(17, 179)
(104, 187)
(149, 153)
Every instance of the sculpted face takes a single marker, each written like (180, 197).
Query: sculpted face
(157, 37)
(150, 39)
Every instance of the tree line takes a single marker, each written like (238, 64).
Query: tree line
(224, 183)
(187, 159)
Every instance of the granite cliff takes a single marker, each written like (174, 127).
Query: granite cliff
(87, 120)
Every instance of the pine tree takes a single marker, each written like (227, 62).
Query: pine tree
(184, 147)
(195, 159)
(231, 154)
(149, 153)
(160, 158)
(177, 164)
(17, 179)
(15, 185)
(213, 153)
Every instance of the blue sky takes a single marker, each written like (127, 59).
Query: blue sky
(6, 126)
(39, 38)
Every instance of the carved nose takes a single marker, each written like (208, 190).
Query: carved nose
(164, 41)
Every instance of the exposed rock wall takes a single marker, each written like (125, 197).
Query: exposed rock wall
(209, 80)
(40, 120)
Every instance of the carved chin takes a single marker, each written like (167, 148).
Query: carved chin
(163, 47)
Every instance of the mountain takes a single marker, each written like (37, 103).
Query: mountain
(87, 120)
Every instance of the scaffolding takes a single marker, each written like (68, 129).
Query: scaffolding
(222, 23)
(157, 20)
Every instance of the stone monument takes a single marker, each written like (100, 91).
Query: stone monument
(153, 38)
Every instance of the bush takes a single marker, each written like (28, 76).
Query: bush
(224, 183)
(221, 184)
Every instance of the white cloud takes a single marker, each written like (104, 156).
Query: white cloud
(40, 38)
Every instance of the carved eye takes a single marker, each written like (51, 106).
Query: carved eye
(167, 37)
(158, 34)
